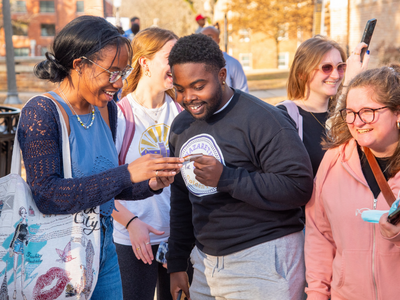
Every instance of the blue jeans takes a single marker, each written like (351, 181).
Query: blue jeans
(108, 284)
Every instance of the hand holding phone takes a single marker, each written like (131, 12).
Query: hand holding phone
(367, 35)
(394, 217)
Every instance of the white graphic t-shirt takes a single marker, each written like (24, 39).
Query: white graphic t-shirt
(150, 137)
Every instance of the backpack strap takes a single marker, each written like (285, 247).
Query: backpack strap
(294, 113)
(126, 109)
(179, 107)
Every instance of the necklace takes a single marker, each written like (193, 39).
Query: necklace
(144, 109)
(323, 126)
(77, 116)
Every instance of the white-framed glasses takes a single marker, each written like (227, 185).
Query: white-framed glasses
(116, 75)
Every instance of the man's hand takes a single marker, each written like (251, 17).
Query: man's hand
(208, 170)
(179, 281)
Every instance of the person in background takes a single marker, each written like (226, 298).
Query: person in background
(240, 202)
(201, 20)
(346, 257)
(135, 28)
(235, 76)
(149, 94)
(89, 61)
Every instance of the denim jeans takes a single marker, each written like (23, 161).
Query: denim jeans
(108, 284)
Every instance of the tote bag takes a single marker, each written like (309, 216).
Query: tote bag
(45, 257)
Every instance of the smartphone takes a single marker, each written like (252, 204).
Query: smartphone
(367, 35)
(192, 157)
(394, 217)
(162, 252)
(179, 295)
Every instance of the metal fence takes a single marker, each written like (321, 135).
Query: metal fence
(9, 117)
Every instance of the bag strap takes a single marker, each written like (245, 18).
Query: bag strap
(294, 113)
(16, 155)
(126, 110)
(380, 178)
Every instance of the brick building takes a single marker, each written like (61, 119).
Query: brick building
(35, 22)
(348, 19)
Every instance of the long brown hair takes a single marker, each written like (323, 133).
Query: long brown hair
(146, 44)
(306, 60)
(384, 84)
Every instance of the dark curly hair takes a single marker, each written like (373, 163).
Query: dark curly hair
(197, 48)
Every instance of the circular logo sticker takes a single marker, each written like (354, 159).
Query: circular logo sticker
(205, 144)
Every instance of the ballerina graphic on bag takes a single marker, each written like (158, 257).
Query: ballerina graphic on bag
(17, 246)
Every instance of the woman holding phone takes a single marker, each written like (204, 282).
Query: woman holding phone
(89, 60)
(316, 74)
(346, 257)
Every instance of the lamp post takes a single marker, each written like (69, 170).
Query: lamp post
(12, 94)
(117, 5)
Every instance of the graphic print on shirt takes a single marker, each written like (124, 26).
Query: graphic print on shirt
(155, 140)
(205, 144)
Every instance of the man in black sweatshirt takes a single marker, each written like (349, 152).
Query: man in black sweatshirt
(239, 203)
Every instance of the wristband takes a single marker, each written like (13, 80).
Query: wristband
(130, 221)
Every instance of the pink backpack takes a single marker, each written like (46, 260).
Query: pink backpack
(294, 113)
(126, 109)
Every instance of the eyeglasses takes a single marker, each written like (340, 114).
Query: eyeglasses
(114, 76)
(366, 115)
(328, 68)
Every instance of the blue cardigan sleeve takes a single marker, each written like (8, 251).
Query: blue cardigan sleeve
(39, 135)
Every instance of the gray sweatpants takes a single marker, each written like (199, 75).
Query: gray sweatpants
(270, 271)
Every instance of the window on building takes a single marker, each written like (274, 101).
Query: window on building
(246, 59)
(21, 51)
(43, 51)
(80, 6)
(19, 7)
(47, 6)
(244, 35)
(47, 30)
(283, 60)
(283, 32)
(20, 29)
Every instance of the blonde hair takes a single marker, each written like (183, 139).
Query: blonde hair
(384, 83)
(146, 44)
(307, 58)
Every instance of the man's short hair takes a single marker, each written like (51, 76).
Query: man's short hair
(197, 48)
(134, 19)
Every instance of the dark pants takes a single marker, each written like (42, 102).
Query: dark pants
(139, 280)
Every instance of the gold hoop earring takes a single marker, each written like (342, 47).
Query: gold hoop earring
(147, 73)
(398, 125)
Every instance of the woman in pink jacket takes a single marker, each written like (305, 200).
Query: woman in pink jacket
(346, 257)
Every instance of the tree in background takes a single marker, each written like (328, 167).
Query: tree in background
(273, 18)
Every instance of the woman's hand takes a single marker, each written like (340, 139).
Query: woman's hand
(387, 229)
(354, 64)
(140, 239)
(153, 165)
(157, 183)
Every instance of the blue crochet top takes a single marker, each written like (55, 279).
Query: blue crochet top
(39, 134)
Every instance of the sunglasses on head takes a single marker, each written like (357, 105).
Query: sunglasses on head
(328, 68)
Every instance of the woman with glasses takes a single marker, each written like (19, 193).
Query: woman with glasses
(141, 226)
(346, 257)
(88, 62)
(315, 76)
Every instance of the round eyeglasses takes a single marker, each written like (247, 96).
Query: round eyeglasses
(366, 115)
(328, 68)
(116, 75)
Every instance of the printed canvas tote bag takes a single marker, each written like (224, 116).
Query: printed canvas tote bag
(45, 257)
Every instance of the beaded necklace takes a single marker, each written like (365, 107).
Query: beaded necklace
(77, 116)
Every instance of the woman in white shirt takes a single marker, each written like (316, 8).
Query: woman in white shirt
(141, 226)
